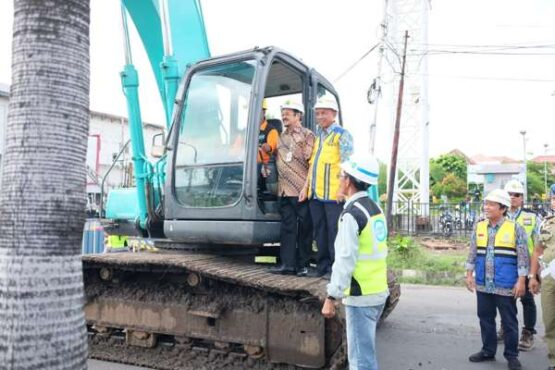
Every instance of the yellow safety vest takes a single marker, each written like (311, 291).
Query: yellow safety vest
(504, 238)
(325, 161)
(117, 241)
(528, 221)
(370, 274)
(504, 251)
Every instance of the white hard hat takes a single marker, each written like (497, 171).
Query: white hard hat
(326, 103)
(514, 186)
(362, 168)
(291, 104)
(499, 196)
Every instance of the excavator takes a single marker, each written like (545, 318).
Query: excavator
(201, 300)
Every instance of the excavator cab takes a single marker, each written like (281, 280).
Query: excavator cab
(212, 192)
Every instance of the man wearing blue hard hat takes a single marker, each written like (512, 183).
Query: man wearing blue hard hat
(359, 272)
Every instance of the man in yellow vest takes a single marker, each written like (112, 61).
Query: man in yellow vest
(544, 253)
(359, 273)
(531, 223)
(333, 146)
(497, 267)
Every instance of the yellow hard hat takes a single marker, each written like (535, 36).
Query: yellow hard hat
(264, 104)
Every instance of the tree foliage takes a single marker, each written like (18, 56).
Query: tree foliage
(535, 178)
(450, 163)
(450, 186)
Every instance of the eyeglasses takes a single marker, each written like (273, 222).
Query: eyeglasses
(515, 195)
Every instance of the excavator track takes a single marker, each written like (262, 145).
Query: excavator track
(181, 310)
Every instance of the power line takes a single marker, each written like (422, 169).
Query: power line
(357, 62)
(515, 79)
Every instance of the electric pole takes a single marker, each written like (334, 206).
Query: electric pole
(395, 146)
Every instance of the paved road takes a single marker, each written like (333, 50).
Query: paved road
(432, 328)
(436, 328)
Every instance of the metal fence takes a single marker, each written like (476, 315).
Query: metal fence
(446, 219)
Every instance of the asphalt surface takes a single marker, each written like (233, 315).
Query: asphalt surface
(432, 328)
(436, 328)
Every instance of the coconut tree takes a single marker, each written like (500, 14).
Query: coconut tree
(42, 188)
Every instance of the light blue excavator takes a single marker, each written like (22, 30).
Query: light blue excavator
(201, 299)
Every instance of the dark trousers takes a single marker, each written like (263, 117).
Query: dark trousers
(325, 216)
(488, 304)
(529, 310)
(296, 232)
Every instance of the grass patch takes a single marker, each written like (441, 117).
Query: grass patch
(433, 267)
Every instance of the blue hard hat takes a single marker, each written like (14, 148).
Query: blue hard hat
(552, 191)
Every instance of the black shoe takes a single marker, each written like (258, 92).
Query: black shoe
(302, 271)
(315, 274)
(480, 357)
(514, 364)
(282, 270)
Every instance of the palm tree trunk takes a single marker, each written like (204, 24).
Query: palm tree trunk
(42, 189)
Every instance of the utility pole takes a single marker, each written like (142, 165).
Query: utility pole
(395, 146)
(376, 86)
(523, 133)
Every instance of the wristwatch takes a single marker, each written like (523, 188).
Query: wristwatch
(531, 276)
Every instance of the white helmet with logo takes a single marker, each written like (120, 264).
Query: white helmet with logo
(362, 168)
(291, 104)
(326, 103)
(499, 196)
(514, 186)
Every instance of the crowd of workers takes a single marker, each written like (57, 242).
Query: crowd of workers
(323, 196)
(506, 251)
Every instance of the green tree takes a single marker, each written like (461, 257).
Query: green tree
(42, 196)
(535, 178)
(437, 173)
(453, 186)
(450, 163)
(450, 186)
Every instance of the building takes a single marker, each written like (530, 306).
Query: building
(108, 134)
(493, 172)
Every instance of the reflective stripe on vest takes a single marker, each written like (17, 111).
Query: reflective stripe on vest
(326, 160)
(528, 221)
(370, 273)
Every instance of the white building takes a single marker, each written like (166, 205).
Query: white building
(108, 134)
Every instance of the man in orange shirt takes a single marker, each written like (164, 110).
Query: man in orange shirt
(267, 143)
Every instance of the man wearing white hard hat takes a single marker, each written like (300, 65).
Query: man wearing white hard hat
(499, 260)
(531, 224)
(294, 149)
(359, 273)
(333, 146)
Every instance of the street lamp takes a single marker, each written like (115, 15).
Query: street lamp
(523, 133)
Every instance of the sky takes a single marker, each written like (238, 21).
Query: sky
(480, 97)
